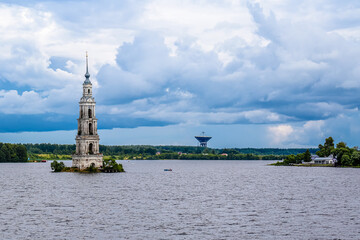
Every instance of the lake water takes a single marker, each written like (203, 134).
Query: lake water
(197, 200)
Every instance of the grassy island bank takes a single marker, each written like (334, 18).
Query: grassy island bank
(301, 164)
(109, 166)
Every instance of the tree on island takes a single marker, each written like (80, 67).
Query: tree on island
(328, 147)
(307, 156)
(346, 160)
(92, 168)
(343, 154)
(57, 166)
(355, 156)
(111, 164)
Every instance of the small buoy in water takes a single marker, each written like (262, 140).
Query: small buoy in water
(168, 169)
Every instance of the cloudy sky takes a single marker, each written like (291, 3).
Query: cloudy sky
(265, 73)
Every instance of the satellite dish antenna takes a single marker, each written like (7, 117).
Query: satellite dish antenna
(203, 139)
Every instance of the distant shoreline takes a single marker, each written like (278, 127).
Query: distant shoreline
(47, 151)
(312, 165)
(107, 157)
(166, 156)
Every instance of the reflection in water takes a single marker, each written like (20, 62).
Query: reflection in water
(197, 200)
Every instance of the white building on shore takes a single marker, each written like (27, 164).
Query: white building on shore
(323, 160)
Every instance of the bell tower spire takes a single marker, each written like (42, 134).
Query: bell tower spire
(87, 74)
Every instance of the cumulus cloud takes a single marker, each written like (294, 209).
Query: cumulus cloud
(26, 103)
(280, 133)
(310, 133)
(185, 87)
(292, 65)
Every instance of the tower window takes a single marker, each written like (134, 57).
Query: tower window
(90, 129)
(90, 113)
(88, 91)
(91, 148)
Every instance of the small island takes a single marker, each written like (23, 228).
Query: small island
(109, 166)
(327, 156)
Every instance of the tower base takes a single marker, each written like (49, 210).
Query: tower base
(84, 161)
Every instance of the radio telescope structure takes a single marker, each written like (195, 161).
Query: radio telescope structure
(203, 139)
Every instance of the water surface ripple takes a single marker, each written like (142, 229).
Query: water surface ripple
(198, 200)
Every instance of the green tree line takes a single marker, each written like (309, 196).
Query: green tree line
(12, 152)
(63, 149)
(296, 159)
(210, 156)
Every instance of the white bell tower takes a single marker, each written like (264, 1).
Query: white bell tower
(87, 139)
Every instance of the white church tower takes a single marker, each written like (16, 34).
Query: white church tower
(87, 139)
